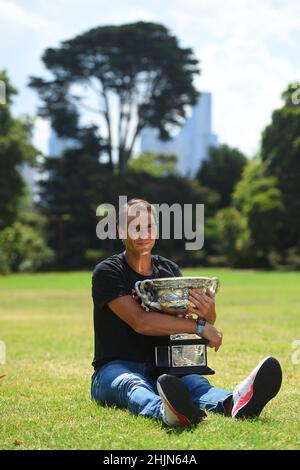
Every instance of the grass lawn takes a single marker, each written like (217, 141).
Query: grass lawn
(46, 323)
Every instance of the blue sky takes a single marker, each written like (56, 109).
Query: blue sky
(248, 50)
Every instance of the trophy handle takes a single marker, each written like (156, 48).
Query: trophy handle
(137, 289)
(214, 285)
(145, 296)
(141, 292)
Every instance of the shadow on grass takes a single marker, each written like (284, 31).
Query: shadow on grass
(178, 430)
(262, 421)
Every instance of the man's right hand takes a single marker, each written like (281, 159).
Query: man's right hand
(213, 336)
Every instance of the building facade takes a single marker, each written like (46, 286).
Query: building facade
(191, 143)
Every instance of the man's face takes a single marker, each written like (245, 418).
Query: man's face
(141, 231)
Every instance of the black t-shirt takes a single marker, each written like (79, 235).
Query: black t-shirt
(114, 339)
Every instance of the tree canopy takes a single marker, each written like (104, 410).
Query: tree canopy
(259, 199)
(221, 171)
(134, 74)
(156, 164)
(281, 155)
(15, 149)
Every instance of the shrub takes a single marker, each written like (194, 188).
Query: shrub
(23, 249)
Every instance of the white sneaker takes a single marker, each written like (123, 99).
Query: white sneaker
(178, 408)
(251, 395)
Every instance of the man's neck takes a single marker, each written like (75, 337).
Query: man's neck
(141, 264)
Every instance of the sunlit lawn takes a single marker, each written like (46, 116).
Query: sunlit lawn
(46, 324)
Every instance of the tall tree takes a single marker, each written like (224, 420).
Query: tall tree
(135, 74)
(69, 197)
(281, 154)
(221, 171)
(259, 200)
(15, 149)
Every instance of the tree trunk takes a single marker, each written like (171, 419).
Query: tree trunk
(122, 161)
(110, 161)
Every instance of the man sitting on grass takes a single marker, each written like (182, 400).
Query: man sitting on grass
(125, 337)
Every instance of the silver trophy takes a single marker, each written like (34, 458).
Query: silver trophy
(181, 354)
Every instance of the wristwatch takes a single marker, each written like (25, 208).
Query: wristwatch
(200, 324)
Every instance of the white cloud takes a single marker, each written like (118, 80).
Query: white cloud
(11, 13)
(246, 83)
(240, 65)
(235, 17)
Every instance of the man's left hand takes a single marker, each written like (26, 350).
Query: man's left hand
(204, 304)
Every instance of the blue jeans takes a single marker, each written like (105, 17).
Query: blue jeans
(132, 385)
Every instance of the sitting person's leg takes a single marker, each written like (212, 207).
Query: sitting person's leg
(206, 396)
(132, 385)
(123, 384)
(248, 398)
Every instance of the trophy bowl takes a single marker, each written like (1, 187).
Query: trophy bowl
(170, 294)
(179, 354)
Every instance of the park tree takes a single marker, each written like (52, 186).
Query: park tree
(233, 237)
(259, 200)
(134, 75)
(281, 156)
(15, 150)
(221, 171)
(22, 241)
(68, 199)
(249, 231)
(156, 164)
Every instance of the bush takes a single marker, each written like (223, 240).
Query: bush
(287, 261)
(234, 238)
(23, 249)
(4, 265)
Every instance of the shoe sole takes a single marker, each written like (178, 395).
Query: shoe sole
(181, 404)
(265, 386)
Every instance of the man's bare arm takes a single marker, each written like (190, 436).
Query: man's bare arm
(149, 323)
(155, 324)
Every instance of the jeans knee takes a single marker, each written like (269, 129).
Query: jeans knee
(195, 381)
(129, 382)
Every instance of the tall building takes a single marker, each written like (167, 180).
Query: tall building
(191, 143)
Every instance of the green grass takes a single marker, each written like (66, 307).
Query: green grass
(46, 323)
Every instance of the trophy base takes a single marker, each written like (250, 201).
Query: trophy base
(181, 371)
